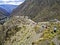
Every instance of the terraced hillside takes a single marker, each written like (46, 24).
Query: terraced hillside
(20, 30)
(39, 10)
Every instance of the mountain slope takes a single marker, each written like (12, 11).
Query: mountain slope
(8, 7)
(3, 15)
(15, 32)
(39, 10)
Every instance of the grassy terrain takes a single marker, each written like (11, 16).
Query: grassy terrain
(23, 31)
(20, 30)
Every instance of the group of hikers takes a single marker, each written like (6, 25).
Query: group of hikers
(54, 28)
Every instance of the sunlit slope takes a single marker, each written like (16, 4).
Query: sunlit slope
(23, 31)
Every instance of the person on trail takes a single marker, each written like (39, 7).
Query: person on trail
(55, 28)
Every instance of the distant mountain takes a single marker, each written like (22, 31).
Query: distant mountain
(8, 7)
(3, 15)
(39, 10)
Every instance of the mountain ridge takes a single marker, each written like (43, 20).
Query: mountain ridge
(39, 10)
(8, 7)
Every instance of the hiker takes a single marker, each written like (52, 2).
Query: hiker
(44, 26)
(55, 28)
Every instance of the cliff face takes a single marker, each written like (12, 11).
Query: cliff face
(39, 10)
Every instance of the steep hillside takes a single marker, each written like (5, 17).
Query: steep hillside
(14, 25)
(20, 30)
(3, 15)
(39, 10)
